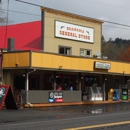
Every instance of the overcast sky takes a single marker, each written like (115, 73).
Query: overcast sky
(116, 11)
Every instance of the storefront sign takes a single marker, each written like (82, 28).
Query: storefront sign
(102, 65)
(74, 32)
(56, 96)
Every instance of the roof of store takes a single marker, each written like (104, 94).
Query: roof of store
(72, 15)
(27, 36)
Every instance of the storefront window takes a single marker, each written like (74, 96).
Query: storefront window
(81, 52)
(34, 82)
(91, 80)
(19, 82)
(85, 52)
(65, 50)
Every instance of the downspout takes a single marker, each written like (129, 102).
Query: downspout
(27, 87)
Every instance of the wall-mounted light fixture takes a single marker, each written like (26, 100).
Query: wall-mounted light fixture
(60, 67)
(16, 64)
(81, 77)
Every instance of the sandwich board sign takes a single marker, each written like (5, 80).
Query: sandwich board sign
(6, 96)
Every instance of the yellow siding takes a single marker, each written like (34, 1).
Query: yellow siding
(56, 61)
(126, 68)
(37, 59)
(83, 63)
(66, 62)
(113, 67)
(120, 68)
(91, 64)
(47, 60)
(11, 59)
(75, 64)
(53, 61)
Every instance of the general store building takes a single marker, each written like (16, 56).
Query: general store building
(69, 54)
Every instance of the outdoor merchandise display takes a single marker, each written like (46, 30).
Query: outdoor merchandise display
(94, 93)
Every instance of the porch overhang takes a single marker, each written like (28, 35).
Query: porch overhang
(56, 62)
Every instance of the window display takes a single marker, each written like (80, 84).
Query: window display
(90, 80)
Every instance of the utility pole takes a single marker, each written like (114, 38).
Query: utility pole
(1, 66)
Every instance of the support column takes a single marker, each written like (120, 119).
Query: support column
(27, 84)
(26, 88)
(126, 82)
(79, 80)
(103, 84)
(54, 80)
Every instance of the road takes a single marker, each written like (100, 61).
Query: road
(87, 117)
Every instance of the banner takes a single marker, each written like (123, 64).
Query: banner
(56, 96)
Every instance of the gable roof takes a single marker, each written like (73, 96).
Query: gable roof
(27, 36)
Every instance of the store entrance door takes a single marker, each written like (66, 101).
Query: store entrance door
(67, 83)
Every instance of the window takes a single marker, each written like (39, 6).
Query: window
(33, 82)
(85, 52)
(19, 82)
(65, 50)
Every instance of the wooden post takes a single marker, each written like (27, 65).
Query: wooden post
(103, 84)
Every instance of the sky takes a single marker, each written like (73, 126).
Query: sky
(116, 11)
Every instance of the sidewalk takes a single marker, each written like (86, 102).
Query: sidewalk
(68, 104)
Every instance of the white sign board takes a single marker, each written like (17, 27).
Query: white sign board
(74, 32)
(101, 65)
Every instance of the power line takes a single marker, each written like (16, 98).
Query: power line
(51, 17)
(79, 15)
(106, 5)
(28, 3)
(115, 27)
(20, 12)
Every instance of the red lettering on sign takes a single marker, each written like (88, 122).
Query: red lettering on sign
(59, 100)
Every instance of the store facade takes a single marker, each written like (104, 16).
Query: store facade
(69, 57)
(37, 74)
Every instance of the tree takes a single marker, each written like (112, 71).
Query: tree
(103, 40)
(2, 19)
(110, 50)
(126, 55)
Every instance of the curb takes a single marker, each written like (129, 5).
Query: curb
(68, 104)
